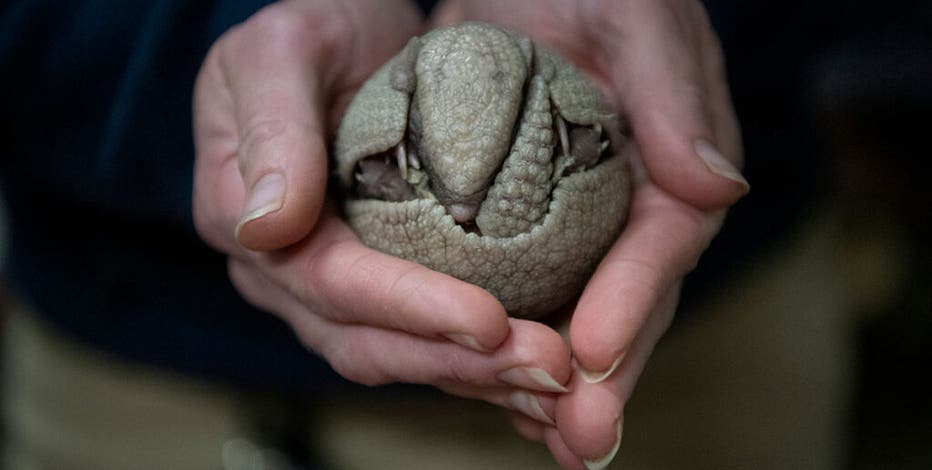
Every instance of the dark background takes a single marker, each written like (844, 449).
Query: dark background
(834, 100)
(835, 106)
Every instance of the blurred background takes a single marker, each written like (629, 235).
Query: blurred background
(803, 338)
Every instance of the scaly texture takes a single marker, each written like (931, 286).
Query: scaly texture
(518, 199)
(468, 93)
(375, 121)
(505, 156)
(530, 273)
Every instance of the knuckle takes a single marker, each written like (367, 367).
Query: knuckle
(401, 294)
(270, 138)
(458, 370)
(640, 275)
(258, 131)
(263, 128)
(348, 359)
(326, 272)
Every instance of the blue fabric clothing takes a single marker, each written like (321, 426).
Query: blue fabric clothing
(97, 174)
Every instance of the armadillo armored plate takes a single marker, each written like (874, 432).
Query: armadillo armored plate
(484, 156)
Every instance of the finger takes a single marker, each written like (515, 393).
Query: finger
(218, 186)
(591, 418)
(662, 242)
(663, 94)
(375, 356)
(725, 126)
(538, 407)
(561, 452)
(348, 282)
(274, 67)
(528, 428)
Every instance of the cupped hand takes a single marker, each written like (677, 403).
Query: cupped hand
(660, 64)
(266, 100)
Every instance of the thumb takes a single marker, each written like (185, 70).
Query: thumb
(276, 87)
(283, 167)
(670, 80)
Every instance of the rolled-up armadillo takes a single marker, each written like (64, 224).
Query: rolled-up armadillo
(480, 154)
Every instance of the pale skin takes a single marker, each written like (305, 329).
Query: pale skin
(269, 97)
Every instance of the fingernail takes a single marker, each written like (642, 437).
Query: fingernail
(596, 377)
(530, 405)
(717, 163)
(603, 462)
(533, 378)
(268, 195)
(466, 340)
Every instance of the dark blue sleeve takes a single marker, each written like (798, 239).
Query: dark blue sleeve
(98, 96)
(96, 171)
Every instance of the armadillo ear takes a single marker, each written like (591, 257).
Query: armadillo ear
(577, 99)
(377, 118)
(401, 75)
(527, 49)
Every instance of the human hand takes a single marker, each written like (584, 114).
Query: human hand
(659, 63)
(269, 94)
